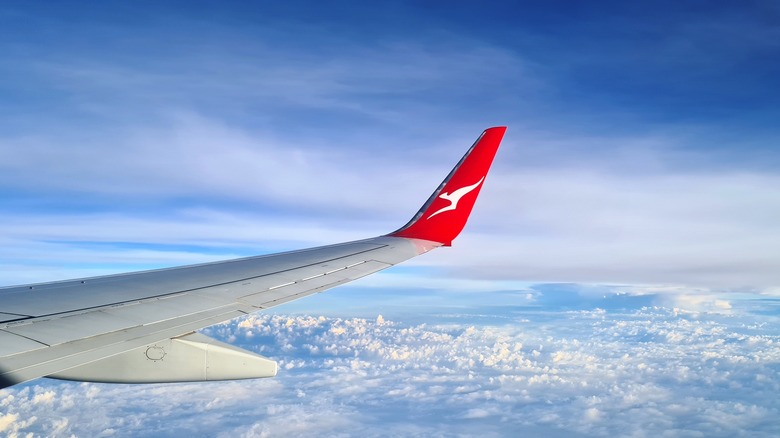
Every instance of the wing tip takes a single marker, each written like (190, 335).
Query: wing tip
(445, 213)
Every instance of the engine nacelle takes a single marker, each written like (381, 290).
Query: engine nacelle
(190, 358)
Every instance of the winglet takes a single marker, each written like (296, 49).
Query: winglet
(445, 213)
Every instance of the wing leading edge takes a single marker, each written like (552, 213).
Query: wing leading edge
(139, 327)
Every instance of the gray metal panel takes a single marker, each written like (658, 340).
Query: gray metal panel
(110, 323)
(67, 296)
(13, 344)
(121, 317)
(289, 298)
(4, 317)
(260, 299)
(330, 277)
(59, 330)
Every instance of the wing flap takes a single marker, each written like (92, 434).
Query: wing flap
(60, 330)
(13, 344)
(313, 283)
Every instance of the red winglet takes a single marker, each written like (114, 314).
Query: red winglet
(445, 213)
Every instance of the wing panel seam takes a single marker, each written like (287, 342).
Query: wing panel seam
(166, 295)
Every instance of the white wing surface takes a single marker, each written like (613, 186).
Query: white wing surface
(140, 327)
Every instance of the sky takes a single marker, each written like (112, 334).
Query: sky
(618, 274)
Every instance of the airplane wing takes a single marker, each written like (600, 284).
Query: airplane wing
(141, 327)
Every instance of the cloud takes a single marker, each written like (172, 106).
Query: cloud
(7, 421)
(591, 222)
(590, 372)
(229, 141)
(45, 398)
(705, 230)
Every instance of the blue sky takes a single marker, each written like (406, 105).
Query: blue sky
(639, 172)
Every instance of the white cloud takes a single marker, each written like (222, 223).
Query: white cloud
(561, 205)
(353, 134)
(44, 398)
(7, 421)
(706, 230)
(567, 224)
(597, 373)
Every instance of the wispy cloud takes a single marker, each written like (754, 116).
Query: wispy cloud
(148, 140)
(552, 221)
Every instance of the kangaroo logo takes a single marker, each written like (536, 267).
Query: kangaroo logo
(455, 196)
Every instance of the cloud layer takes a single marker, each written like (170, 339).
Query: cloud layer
(639, 372)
